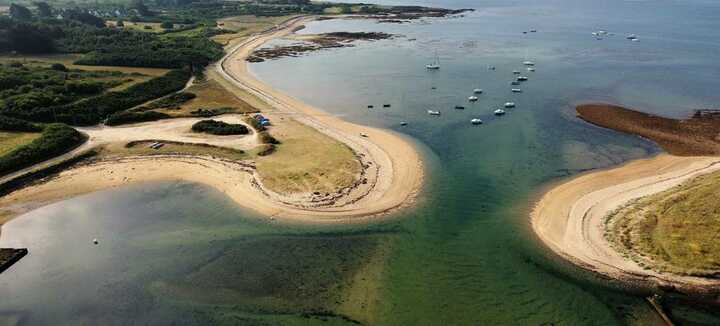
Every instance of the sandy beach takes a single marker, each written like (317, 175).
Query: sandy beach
(569, 218)
(392, 176)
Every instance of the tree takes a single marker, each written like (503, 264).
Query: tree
(85, 18)
(141, 8)
(44, 9)
(167, 25)
(58, 67)
(120, 23)
(19, 12)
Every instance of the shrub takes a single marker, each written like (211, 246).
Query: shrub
(55, 140)
(219, 128)
(255, 124)
(266, 138)
(172, 100)
(201, 112)
(58, 67)
(12, 124)
(265, 149)
(125, 117)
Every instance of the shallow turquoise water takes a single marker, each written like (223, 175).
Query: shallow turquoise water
(182, 253)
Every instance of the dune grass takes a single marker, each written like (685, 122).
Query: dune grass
(307, 161)
(677, 230)
(12, 140)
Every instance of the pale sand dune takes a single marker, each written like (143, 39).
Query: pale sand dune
(569, 218)
(394, 170)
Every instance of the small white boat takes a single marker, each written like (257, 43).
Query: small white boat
(528, 63)
(403, 123)
(435, 65)
(531, 69)
(95, 241)
(522, 78)
(491, 67)
(472, 98)
(362, 134)
(509, 105)
(515, 83)
(431, 112)
(476, 121)
(631, 37)
(516, 72)
(478, 91)
(499, 112)
(516, 90)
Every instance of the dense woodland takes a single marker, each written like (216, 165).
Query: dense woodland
(44, 96)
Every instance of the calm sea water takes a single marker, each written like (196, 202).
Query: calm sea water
(178, 253)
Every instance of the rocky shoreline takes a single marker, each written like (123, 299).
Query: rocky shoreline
(311, 43)
(10, 256)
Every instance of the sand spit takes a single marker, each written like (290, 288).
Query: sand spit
(570, 217)
(392, 169)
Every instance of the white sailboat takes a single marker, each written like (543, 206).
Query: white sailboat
(435, 65)
(476, 121)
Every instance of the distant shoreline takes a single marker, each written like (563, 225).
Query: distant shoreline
(569, 217)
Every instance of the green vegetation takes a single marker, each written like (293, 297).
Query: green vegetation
(215, 127)
(266, 138)
(106, 46)
(211, 112)
(172, 100)
(12, 124)
(92, 110)
(677, 230)
(26, 88)
(170, 147)
(12, 140)
(56, 139)
(126, 117)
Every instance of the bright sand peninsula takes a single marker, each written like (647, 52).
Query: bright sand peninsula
(571, 217)
(392, 168)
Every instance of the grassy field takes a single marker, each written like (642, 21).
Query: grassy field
(139, 26)
(141, 148)
(12, 140)
(677, 230)
(307, 161)
(210, 94)
(68, 59)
